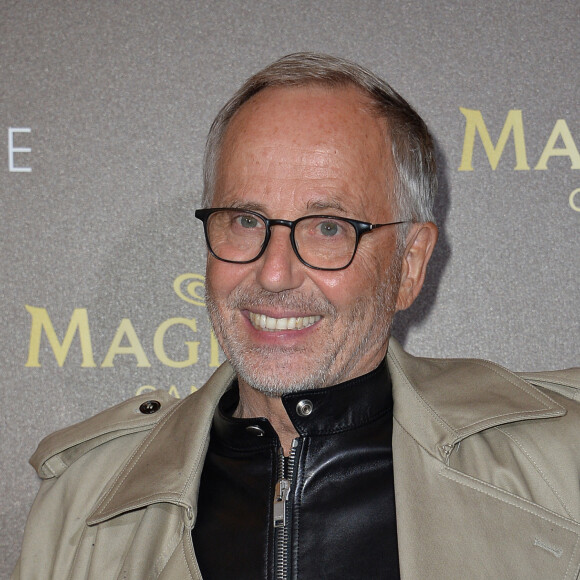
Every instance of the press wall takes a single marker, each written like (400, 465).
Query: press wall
(104, 111)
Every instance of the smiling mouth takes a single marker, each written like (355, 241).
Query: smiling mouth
(263, 322)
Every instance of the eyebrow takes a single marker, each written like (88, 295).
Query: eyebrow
(249, 205)
(325, 204)
(321, 204)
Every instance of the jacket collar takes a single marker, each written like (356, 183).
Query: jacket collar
(442, 401)
(166, 467)
(339, 408)
(439, 401)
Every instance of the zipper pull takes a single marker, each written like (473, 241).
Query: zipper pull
(280, 499)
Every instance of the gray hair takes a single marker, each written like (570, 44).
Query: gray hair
(411, 143)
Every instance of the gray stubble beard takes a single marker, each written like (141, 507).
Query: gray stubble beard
(277, 384)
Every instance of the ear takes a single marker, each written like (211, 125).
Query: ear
(421, 240)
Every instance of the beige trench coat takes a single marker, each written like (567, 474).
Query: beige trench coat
(487, 469)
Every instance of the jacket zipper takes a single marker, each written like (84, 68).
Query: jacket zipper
(282, 511)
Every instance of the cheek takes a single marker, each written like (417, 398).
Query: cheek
(377, 266)
(222, 278)
(343, 287)
(364, 278)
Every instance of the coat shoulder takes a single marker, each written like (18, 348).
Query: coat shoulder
(60, 449)
(566, 382)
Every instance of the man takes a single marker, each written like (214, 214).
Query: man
(320, 449)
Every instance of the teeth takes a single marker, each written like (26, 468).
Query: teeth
(263, 322)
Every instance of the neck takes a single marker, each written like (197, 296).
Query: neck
(253, 403)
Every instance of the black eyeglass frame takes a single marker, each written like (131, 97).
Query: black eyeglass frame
(360, 228)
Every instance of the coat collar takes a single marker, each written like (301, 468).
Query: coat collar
(166, 467)
(439, 401)
(442, 401)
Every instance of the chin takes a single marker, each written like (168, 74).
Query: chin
(277, 381)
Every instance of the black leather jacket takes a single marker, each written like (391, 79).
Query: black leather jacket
(326, 511)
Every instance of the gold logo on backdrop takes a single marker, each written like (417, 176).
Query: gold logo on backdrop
(126, 340)
(559, 143)
(574, 200)
(193, 283)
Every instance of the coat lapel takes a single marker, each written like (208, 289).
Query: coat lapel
(453, 525)
(167, 466)
(442, 401)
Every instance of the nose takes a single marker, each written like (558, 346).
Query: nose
(279, 268)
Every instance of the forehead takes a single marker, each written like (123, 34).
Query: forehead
(308, 139)
(312, 113)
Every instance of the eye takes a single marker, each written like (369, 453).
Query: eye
(247, 221)
(329, 228)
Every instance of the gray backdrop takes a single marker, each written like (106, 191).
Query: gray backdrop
(105, 107)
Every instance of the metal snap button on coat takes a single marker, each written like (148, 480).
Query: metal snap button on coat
(304, 408)
(150, 407)
(255, 430)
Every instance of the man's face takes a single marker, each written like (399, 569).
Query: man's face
(291, 152)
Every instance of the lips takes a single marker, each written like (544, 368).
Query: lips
(268, 323)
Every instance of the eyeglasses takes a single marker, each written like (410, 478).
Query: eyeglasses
(321, 242)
